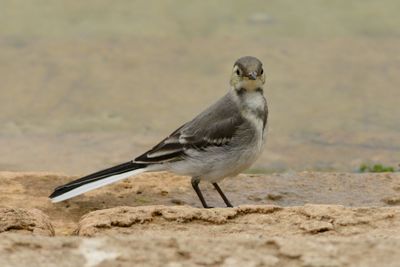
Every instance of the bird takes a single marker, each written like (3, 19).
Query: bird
(220, 142)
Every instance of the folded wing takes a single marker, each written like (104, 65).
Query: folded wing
(192, 136)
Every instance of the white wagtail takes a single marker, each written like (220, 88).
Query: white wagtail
(220, 142)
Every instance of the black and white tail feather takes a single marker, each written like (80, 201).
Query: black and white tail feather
(96, 180)
(170, 149)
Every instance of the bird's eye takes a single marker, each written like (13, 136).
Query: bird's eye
(238, 72)
(262, 71)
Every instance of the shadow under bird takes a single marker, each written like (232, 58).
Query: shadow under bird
(220, 142)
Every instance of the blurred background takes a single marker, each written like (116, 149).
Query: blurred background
(87, 84)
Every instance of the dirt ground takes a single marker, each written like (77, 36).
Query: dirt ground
(156, 220)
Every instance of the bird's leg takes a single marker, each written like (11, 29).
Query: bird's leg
(226, 200)
(195, 185)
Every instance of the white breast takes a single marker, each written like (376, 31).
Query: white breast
(252, 103)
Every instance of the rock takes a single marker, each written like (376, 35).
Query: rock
(123, 218)
(18, 250)
(250, 219)
(393, 201)
(21, 250)
(31, 221)
(274, 197)
(314, 227)
(353, 228)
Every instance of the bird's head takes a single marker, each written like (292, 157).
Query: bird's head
(247, 74)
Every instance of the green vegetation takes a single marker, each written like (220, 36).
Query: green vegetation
(375, 168)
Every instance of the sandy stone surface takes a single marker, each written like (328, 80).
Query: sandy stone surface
(327, 220)
(131, 250)
(291, 219)
(25, 221)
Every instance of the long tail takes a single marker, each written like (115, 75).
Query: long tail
(96, 180)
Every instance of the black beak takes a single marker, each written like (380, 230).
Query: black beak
(253, 75)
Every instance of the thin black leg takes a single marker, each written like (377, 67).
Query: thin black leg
(226, 200)
(195, 185)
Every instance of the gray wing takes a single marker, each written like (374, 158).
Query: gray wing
(216, 126)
